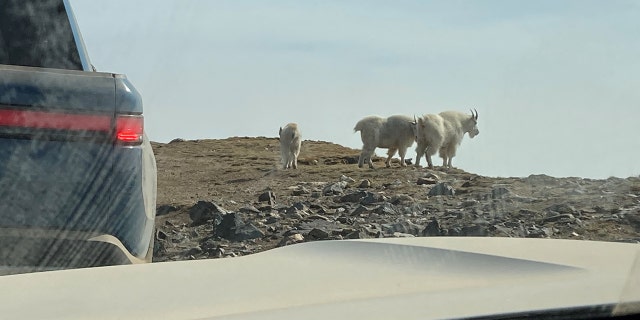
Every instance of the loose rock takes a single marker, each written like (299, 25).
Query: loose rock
(423, 181)
(432, 229)
(334, 188)
(291, 239)
(268, 196)
(406, 227)
(499, 192)
(204, 211)
(318, 234)
(233, 228)
(366, 183)
(249, 209)
(165, 209)
(442, 189)
(300, 191)
(354, 197)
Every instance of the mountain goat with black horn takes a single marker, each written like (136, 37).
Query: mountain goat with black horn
(443, 132)
(290, 141)
(395, 133)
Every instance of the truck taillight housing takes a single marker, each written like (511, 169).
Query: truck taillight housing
(129, 129)
(26, 119)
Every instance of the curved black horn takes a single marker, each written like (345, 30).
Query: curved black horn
(476, 116)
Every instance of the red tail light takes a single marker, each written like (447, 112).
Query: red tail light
(54, 120)
(129, 129)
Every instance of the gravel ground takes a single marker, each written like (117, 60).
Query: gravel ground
(230, 197)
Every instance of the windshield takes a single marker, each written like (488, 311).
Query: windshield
(282, 123)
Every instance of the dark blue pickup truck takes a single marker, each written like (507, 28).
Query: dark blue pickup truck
(77, 173)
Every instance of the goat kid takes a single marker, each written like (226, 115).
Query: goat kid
(290, 141)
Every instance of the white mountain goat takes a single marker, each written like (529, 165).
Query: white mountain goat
(290, 140)
(443, 132)
(396, 133)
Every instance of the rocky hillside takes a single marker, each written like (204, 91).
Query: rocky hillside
(227, 198)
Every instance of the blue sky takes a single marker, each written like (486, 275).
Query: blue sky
(556, 83)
